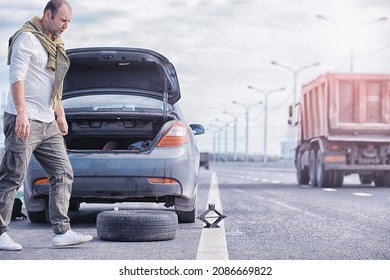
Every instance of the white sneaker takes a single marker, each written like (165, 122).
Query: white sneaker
(70, 238)
(7, 244)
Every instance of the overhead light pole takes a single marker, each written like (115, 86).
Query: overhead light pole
(353, 30)
(234, 133)
(266, 94)
(214, 141)
(247, 107)
(295, 73)
(226, 125)
(217, 146)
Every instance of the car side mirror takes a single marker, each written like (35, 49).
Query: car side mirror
(290, 111)
(197, 129)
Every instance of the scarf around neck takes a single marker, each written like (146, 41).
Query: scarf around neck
(57, 61)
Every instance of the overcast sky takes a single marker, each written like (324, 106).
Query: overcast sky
(219, 47)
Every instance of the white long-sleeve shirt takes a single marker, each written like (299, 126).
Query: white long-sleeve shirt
(28, 64)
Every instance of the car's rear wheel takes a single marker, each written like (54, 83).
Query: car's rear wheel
(136, 225)
(37, 217)
(40, 217)
(74, 206)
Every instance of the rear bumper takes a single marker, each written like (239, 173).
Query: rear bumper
(120, 177)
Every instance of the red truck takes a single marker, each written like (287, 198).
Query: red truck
(343, 127)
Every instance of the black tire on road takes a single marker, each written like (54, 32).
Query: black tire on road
(365, 179)
(303, 177)
(338, 179)
(312, 168)
(37, 217)
(74, 206)
(382, 180)
(387, 179)
(136, 225)
(379, 180)
(40, 217)
(324, 177)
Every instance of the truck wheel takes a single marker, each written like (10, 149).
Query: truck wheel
(365, 179)
(337, 179)
(303, 177)
(387, 179)
(324, 177)
(382, 180)
(379, 180)
(312, 168)
(136, 225)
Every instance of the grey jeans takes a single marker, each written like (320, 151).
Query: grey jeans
(46, 142)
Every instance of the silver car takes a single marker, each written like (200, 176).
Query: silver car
(128, 141)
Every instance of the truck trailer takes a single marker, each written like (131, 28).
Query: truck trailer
(343, 127)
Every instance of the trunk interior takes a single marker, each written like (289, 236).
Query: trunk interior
(119, 133)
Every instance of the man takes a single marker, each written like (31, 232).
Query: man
(34, 121)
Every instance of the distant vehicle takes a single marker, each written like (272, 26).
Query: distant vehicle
(128, 140)
(343, 125)
(205, 160)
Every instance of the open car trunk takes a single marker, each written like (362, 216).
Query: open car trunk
(119, 133)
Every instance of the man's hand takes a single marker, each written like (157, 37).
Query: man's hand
(22, 126)
(62, 124)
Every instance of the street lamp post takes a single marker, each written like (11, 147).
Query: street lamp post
(214, 141)
(351, 54)
(247, 107)
(226, 125)
(295, 74)
(234, 133)
(217, 149)
(266, 94)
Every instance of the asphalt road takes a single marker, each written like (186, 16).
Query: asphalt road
(269, 217)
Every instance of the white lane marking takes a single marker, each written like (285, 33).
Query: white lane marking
(284, 205)
(362, 194)
(212, 244)
(329, 190)
(293, 208)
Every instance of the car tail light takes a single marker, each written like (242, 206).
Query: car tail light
(176, 136)
(162, 181)
(42, 181)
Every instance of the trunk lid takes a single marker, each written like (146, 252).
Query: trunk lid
(141, 71)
